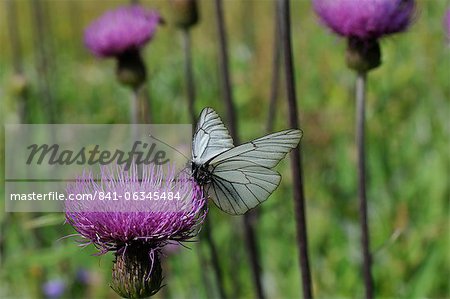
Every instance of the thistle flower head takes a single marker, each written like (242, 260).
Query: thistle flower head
(129, 209)
(365, 19)
(124, 29)
(134, 214)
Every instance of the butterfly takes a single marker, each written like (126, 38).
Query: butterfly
(239, 178)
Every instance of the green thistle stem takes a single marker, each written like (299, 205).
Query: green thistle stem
(214, 259)
(360, 137)
(276, 71)
(296, 159)
(249, 230)
(40, 29)
(189, 74)
(190, 91)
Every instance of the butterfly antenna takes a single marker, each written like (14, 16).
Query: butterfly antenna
(188, 159)
(165, 143)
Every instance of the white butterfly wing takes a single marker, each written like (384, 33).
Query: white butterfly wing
(266, 151)
(239, 188)
(211, 137)
(241, 176)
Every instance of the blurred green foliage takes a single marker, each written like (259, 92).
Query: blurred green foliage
(407, 124)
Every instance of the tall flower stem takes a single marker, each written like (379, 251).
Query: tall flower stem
(190, 91)
(189, 74)
(139, 108)
(360, 137)
(214, 259)
(276, 68)
(134, 121)
(42, 59)
(139, 114)
(224, 63)
(143, 100)
(134, 107)
(250, 220)
(203, 274)
(296, 159)
(74, 10)
(16, 47)
(250, 236)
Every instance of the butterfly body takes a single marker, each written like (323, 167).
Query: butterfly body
(237, 178)
(201, 173)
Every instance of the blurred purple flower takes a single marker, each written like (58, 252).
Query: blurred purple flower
(123, 29)
(365, 19)
(83, 276)
(115, 225)
(54, 288)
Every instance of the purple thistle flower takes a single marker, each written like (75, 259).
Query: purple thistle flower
(112, 225)
(136, 230)
(126, 28)
(54, 288)
(365, 19)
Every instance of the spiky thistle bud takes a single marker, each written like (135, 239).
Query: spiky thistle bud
(137, 272)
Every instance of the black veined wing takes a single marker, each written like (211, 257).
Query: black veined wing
(237, 190)
(241, 177)
(266, 151)
(211, 137)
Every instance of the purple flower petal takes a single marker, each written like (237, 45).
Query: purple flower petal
(120, 30)
(365, 19)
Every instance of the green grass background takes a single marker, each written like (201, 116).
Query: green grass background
(407, 140)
